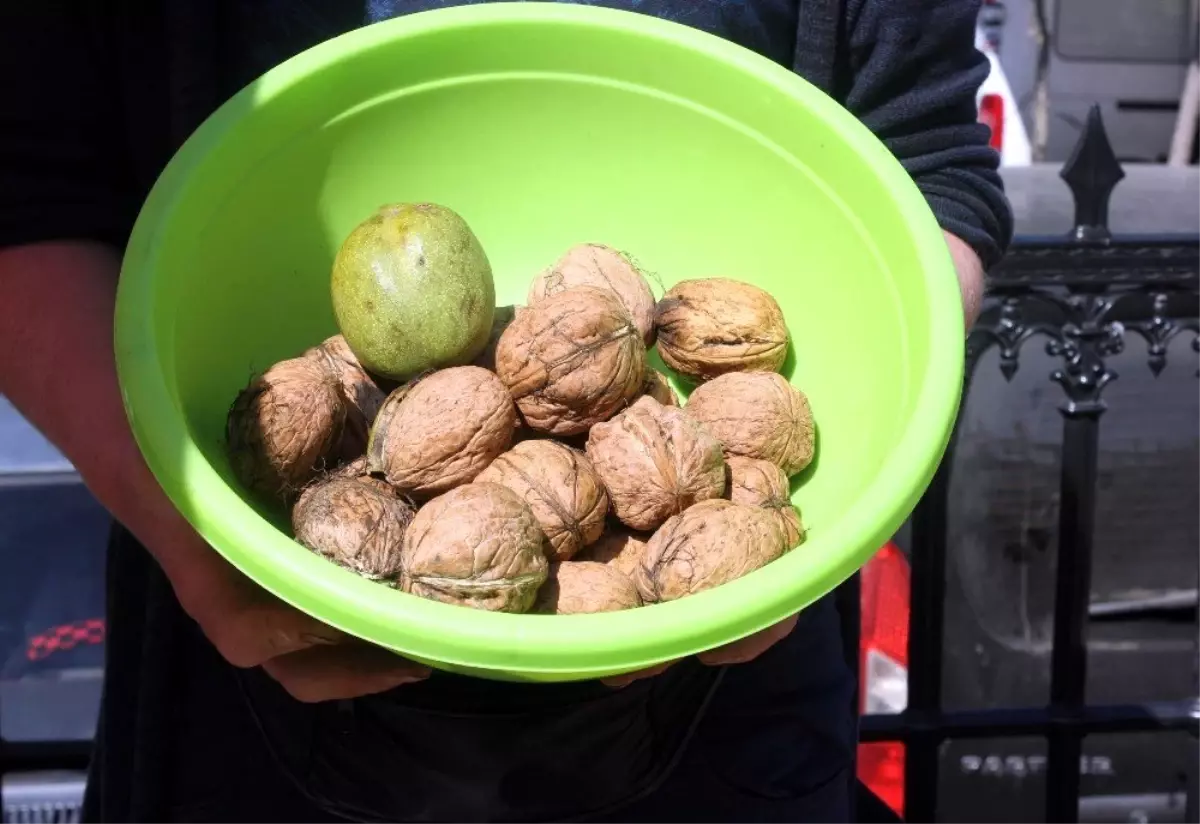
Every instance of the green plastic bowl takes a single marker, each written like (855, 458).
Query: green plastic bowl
(545, 125)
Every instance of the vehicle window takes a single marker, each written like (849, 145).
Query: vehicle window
(53, 535)
(1144, 31)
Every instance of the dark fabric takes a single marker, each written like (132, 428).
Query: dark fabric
(95, 98)
(186, 737)
(910, 73)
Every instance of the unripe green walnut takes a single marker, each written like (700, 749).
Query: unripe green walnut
(412, 290)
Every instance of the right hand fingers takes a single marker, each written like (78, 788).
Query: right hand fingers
(331, 673)
(250, 628)
(246, 624)
(254, 628)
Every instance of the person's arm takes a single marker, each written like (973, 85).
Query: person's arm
(914, 75)
(65, 206)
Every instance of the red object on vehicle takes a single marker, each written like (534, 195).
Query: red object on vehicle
(64, 637)
(883, 664)
(991, 114)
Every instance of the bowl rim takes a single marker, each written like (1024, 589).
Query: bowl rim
(530, 646)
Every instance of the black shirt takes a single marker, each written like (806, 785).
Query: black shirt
(96, 97)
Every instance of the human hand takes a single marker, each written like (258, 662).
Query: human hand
(249, 627)
(736, 652)
(58, 312)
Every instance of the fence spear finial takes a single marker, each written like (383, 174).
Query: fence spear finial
(1092, 172)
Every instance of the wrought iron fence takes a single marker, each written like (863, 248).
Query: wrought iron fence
(1076, 294)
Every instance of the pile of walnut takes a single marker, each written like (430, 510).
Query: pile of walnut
(558, 473)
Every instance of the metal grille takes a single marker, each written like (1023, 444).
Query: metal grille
(45, 813)
(1071, 294)
(44, 798)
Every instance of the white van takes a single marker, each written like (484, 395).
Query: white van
(1129, 56)
(999, 109)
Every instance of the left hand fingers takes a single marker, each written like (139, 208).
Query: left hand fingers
(750, 647)
(618, 681)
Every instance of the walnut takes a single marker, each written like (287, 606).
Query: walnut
(712, 543)
(360, 392)
(618, 548)
(478, 546)
(571, 361)
(757, 415)
(356, 470)
(440, 431)
(592, 264)
(658, 387)
(655, 462)
(501, 318)
(283, 427)
(582, 586)
(561, 488)
(717, 325)
(358, 523)
(753, 482)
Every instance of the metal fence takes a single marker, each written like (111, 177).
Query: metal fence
(1076, 294)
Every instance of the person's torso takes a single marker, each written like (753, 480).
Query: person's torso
(466, 749)
(259, 34)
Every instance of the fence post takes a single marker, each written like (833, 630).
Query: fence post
(1087, 339)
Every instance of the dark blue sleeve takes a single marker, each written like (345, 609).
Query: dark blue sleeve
(914, 74)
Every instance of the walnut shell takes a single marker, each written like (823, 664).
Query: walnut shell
(571, 361)
(658, 387)
(753, 482)
(501, 318)
(575, 587)
(716, 325)
(593, 264)
(757, 415)
(283, 427)
(355, 470)
(440, 431)
(361, 393)
(712, 543)
(358, 523)
(562, 489)
(655, 462)
(478, 546)
(618, 548)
